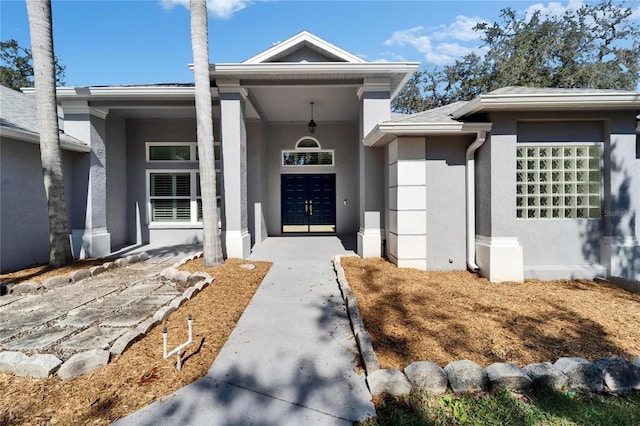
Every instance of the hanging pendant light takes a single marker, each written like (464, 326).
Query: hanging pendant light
(312, 124)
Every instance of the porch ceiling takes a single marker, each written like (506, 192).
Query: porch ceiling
(290, 104)
(281, 91)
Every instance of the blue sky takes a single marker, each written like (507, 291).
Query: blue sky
(109, 42)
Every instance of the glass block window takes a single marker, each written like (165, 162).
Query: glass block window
(558, 182)
(307, 158)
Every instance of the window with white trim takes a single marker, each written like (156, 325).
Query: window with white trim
(558, 181)
(170, 195)
(308, 153)
(174, 194)
(177, 151)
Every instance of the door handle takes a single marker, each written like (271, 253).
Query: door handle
(306, 206)
(311, 207)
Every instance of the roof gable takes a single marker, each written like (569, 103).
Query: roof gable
(304, 47)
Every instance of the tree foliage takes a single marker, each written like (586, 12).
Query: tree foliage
(16, 66)
(596, 46)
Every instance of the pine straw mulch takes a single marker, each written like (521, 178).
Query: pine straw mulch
(447, 316)
(139, 376)
(40, 273)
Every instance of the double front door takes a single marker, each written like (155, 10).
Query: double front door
(308, 203)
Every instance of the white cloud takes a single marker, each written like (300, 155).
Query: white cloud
(223, 9)
(552, 8)
(461, 29)
(458, 40)
(410, 37)
(389, 56)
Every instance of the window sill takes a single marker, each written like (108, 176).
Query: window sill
(175, 225)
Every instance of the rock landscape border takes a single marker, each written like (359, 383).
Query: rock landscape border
(45, 365)
(463, 376)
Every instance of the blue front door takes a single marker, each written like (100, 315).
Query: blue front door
(308, 203)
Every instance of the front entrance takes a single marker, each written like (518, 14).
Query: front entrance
(308, 203)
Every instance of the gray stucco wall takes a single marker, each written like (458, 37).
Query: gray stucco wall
(117, 182)
(557, 247)
(341, 137)
(483, 187)
(139, 132)
(24, 226)
(257, 185)
(446, 216)
(569, 242)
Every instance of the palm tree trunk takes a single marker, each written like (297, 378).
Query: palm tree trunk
(40, 27)
(212, 247)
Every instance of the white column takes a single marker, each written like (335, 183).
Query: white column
(233, 137)
(499, 254)
(407, 245)
(375, 108)
(91, 238)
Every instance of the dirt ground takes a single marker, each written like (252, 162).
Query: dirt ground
(447, 316)
(40, 273)
(140, 375)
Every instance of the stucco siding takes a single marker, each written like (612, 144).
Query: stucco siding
(408, 203)
(445, 213)
(257, 187)
(483, 188)
(116, 171)
(561, 244)
(138, 133)
(24, 226)
(342, 138)
(23, 205)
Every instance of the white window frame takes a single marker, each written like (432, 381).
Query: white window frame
(550, 207)
(193, 199)
(305, 150)
(308, 150)
(298, 148)
(192, 151)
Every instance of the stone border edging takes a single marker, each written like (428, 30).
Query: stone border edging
(617, 374)
(75, 276)
(45, 365)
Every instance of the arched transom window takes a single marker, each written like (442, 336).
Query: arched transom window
(307, 152)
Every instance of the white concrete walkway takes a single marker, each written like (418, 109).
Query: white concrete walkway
(292, 358)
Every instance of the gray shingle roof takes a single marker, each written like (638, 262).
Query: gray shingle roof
(436, 115)
(18, 112)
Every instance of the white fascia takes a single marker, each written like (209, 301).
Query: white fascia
(301, 38)
(312, 70)
(384, 133)
(539, 101)
(35, 138)
(145, 92)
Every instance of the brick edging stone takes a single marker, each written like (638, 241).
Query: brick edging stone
(45, 365)
(612, 374)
